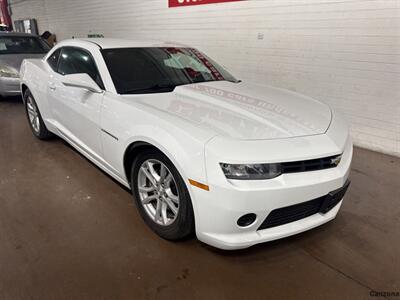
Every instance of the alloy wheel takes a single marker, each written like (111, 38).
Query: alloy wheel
(33, 114)
(158, 192)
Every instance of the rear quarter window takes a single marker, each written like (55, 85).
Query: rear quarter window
(53, 60)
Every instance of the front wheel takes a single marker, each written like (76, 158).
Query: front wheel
(161, 196)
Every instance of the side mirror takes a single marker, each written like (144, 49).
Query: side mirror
(83, 81)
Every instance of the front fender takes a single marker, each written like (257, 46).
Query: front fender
(186, 154)
(126, 121)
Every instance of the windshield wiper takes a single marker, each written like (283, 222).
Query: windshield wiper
(151, 89)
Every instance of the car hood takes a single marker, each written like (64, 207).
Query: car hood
(246, 111)
(15, 60)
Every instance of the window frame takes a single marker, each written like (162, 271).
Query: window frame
(58, 59)
(101, 86)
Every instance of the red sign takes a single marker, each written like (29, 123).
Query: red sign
(176, 3)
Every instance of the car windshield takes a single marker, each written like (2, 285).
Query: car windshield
(161, 69)
(22, 44)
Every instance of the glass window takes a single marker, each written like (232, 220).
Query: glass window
(53, 60)
(75, 61)
(22, 44)
(154, 70)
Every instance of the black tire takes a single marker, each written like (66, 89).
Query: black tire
(42, 133)
(183, 226)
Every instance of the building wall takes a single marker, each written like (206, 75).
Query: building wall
(27, 9)
(343, 52)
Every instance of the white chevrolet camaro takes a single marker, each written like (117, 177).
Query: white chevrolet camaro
(236, 163)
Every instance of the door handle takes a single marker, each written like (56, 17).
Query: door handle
(52, 87)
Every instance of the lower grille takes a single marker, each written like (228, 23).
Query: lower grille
(303, 210)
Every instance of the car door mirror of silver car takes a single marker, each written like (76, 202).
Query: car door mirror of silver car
(81, 80)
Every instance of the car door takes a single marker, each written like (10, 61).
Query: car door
(77, 110)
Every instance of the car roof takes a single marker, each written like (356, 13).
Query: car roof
(109, 43)
(12, 33)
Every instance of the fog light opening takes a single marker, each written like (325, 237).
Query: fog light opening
(246, 220)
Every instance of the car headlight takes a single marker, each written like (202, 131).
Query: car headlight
(251, 171)
(8, 72)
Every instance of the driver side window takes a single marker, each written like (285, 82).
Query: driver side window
(74, 60)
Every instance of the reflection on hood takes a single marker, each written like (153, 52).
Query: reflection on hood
(245, 111)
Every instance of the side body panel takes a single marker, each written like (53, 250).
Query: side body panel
(76, 114)
(126, 120)
(34, 74)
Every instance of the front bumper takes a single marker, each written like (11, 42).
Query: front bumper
(9, 86)
(218, 209)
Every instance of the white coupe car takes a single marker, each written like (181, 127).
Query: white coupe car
(236, 163)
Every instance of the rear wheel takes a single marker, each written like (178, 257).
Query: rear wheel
(34, 118)
(161, 196)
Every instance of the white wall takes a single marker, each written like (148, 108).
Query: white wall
(344, 52)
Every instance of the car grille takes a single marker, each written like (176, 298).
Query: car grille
(303, 210)
(311, 164)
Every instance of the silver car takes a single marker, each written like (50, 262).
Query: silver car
(14, 48)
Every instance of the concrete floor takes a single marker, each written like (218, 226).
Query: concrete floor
(68, 231)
